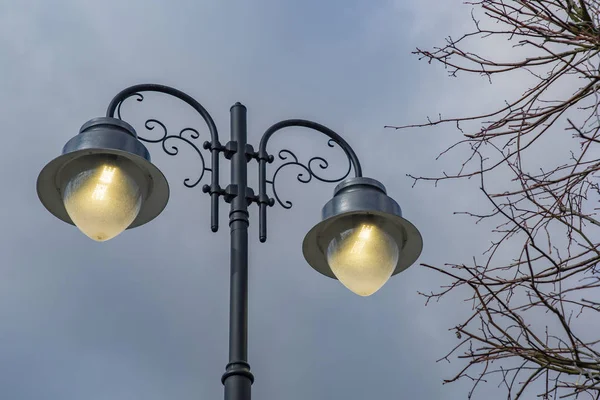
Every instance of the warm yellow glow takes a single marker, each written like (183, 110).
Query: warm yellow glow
(105, 179)
(103, 200)
(363, 258)
(107, 174)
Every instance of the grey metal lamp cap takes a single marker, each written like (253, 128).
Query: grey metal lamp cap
(104, 136)
(356, 200)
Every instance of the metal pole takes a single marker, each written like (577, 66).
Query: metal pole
(238, 378)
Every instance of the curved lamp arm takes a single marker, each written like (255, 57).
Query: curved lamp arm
(114, 108)
(291, 159)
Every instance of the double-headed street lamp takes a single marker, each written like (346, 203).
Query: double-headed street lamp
(105, 183)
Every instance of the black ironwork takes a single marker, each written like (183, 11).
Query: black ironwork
(307, 172)
(237, 378)
(214, 145)
(173, 150)
(264, 158)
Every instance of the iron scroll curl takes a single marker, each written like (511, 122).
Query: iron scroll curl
(311, 169)
(187, 135)
(307, 173)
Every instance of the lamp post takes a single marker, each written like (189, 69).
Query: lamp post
(104, 183)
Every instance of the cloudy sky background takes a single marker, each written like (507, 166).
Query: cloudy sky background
(144, 316)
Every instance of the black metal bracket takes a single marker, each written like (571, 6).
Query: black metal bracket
(231, 148)
(186, 135)
(216, 189)
(216, 146)
(309, 170)
(232, 191)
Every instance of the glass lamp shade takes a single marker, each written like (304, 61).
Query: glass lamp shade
(363, 258)
(103, 199)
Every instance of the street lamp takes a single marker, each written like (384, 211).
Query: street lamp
(104, 183)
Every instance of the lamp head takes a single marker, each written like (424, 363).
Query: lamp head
(362, 240)
(104, 181)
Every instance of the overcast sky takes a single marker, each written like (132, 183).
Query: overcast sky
(144, 316)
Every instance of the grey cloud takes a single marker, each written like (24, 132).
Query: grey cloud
(145, 315)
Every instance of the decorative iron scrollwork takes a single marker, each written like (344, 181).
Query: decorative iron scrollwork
(307, 173)
(312, 169)
(186, 135)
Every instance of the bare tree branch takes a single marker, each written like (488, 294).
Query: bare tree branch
(527, 330)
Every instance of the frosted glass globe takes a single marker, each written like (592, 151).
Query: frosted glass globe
(103, 200)
(363, 258)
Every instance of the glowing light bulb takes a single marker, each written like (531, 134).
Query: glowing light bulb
(103, 200)
(363, 258)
